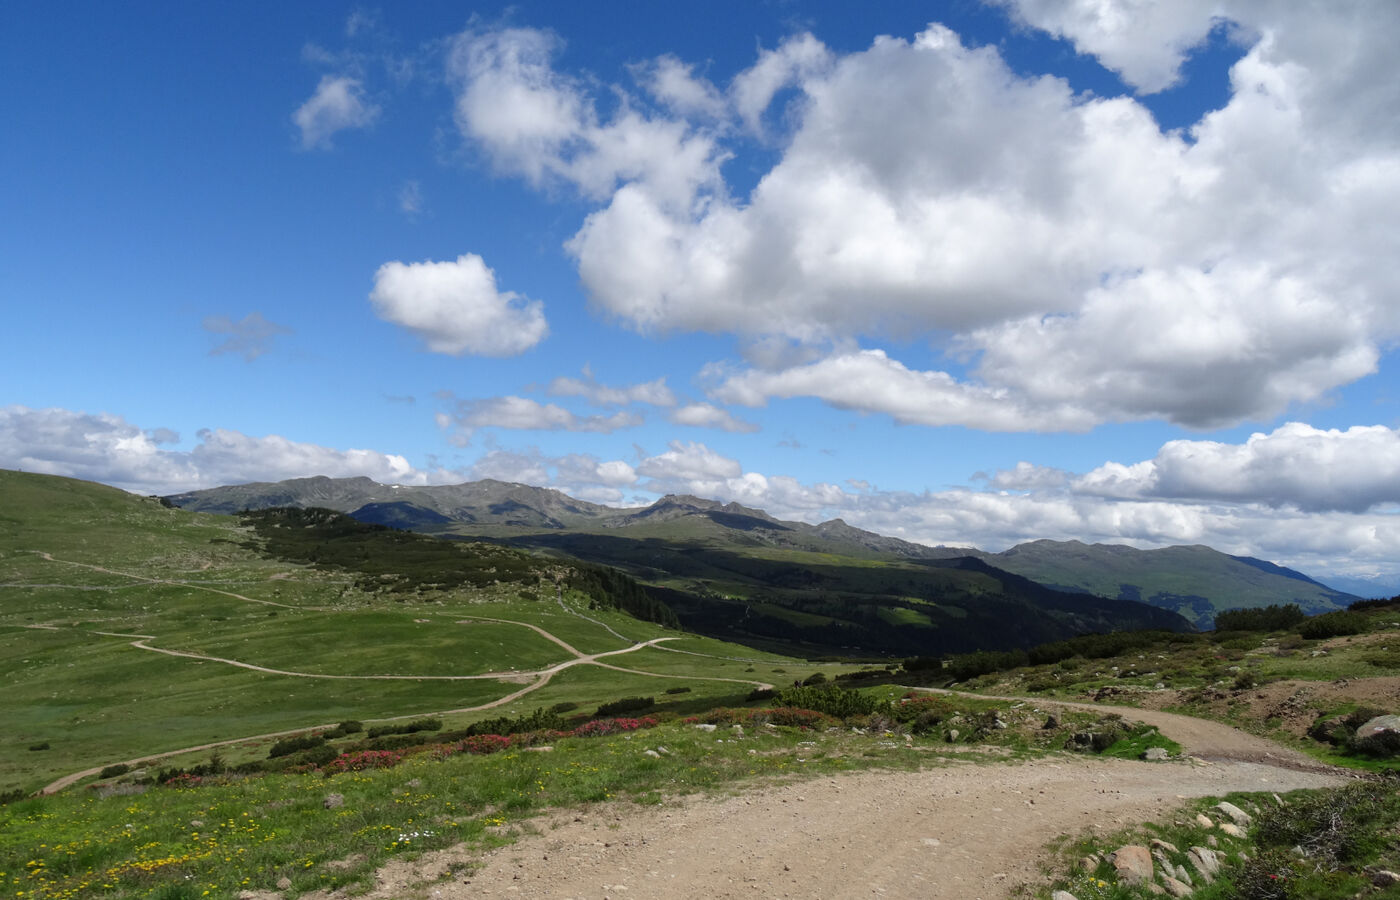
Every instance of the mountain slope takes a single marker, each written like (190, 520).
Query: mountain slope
(1195, 581)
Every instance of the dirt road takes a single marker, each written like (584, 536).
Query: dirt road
(966, 831)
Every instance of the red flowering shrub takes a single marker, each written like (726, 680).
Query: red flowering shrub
(361, 760)
(600, 727)
(485, 743)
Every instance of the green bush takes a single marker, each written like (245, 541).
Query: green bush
(429, 723)
(1264, 618)
(678, 690)
(44, 745)
(1334, 624)
(114, 770)
(626, 705)
(288, 746)
(829, 699)
(563, 707)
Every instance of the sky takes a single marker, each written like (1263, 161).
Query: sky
(964, 273)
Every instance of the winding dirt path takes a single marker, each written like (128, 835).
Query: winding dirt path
(968, 830)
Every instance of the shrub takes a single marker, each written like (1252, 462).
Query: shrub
(114, 770)
(430, 723)
(829, 699)
(814, 679)
(1334, 624)
(758, 694)
(565, 706)
(288, 746)
(1346, 825)
(361, 760)
(600, 727)
(626, 704)
(40, 746)
(1266, 618)
(678, 690)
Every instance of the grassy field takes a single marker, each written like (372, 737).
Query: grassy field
(94, 581)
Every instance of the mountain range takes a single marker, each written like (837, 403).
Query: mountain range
(689, 545)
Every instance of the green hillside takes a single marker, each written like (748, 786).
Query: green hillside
(129, 628)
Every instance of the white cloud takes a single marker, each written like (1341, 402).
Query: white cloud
(250, 337)
(653, 393)
(109, 449)
(455, 307)
(1295, 465)
(707, 415)
(533, 121)
(339, 103)
(689, 461)
(1083, 261)
(675, 84)
(524, 414)
(1028, 477)
(869, 381)
(411, 199)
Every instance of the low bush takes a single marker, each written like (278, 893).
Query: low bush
(114, 770)
(1264, 618)
(829, 699)
(429, 723)
(626, 704)
(1333, 827)
(344, 728)
(759, 694)
(44, 745)
(678, 690)
(288, 746)
(563, 707)
(1334, 624)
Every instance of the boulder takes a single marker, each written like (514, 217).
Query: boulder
(1237, 815)
(1232, 830)
(1159, 844)
(1063, 895)
(1155, 754)
(1205, 862)
(1204, 822)
(333, 801)
(706, 727)
(1175, 888)
(1385, 878)
(1133, 863)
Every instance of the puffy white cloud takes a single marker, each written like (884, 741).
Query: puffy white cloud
(689, 461)
(1028, 477)
(536, 122)
(109, 449)
(707, 415)
(250, 337)
(675, 84)
(1295, 465)
(456, 308)
(869, 381)
(524, 414)
(1082, 260)
(338, 103)
(653, 393)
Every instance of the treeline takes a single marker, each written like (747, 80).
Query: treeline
(403, 562)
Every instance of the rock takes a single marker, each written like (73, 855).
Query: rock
(1204, 860)
(1051, 722)
(1232, 830)
(1378, 726)
(1133, 863)
(952, 735)
(1158, 844)
(1155, 888)
(284, 883)
(652, 753)
(1088, 863)
(1063, 895)
(1239, 816)
(1385, 878)
(1182, 875)
(333, 801)
(196, 823)
(737, 729)
(1204, 822)
(1212, 840)
(705, 727)
(1155, 754)
(1175, 888)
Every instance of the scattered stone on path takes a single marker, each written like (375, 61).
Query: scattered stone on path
(1155, 754)
(333, 801)
(1133, 863)
(1174, 887)
(1203, 821)
(1239, 816)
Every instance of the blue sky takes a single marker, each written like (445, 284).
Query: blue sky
(967, 273)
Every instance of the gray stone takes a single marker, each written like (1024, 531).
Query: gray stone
(1159, 844)
(652, 753)
(284, 883)
(333, 801)
(1377, 726)
(1155, 754)
(706, 727)
(1205, 862)
(1239, 816)
(1133, 863)
(1063, 895)
(1204, 822)
(1176, 888)
(1232, 830)
(1385, 878)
